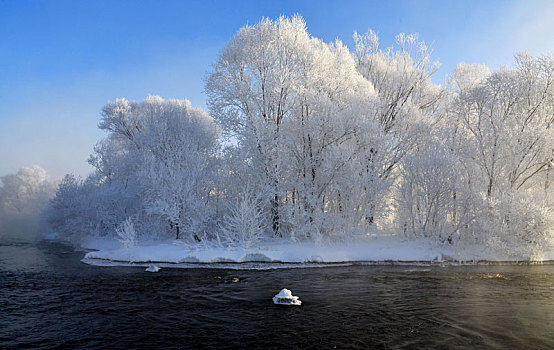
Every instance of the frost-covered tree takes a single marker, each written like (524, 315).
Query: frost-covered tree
(155, 165)
(431, 199)
(245, 222)
(23, 197)
(291, 102)
(251, 92)
(400, 74)
(85, 209)
(501, 126)
(506, 122)
(26, 191)
(166, 148)
(179, 145)
(407, 97)
(126, 234)
(407, 107)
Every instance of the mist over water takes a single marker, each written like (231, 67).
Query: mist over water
(50, 299)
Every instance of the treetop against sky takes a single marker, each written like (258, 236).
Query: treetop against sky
(62, 60)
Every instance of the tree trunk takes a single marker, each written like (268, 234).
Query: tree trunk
(275, 219)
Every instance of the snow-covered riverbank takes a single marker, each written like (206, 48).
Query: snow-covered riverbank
(377, 249)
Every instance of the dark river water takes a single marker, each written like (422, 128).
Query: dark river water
(49, 299)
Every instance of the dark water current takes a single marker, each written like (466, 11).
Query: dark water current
(49, 299)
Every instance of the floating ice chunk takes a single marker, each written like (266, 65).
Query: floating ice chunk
(152, 268)
(285, 297)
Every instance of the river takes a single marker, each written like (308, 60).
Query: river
(49, 299)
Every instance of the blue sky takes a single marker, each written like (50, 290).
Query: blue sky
(61, 61)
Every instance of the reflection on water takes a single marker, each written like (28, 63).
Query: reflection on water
(48, 298)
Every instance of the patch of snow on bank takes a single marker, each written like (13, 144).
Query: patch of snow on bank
(375, 249)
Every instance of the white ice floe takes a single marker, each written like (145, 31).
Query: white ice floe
(285, 297)
(152, 268)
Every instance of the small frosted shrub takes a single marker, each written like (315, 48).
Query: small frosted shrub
(126, 234)
(245, 223)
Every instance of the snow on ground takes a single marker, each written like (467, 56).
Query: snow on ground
(376, 249)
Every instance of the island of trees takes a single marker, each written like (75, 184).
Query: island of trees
(310, 141)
